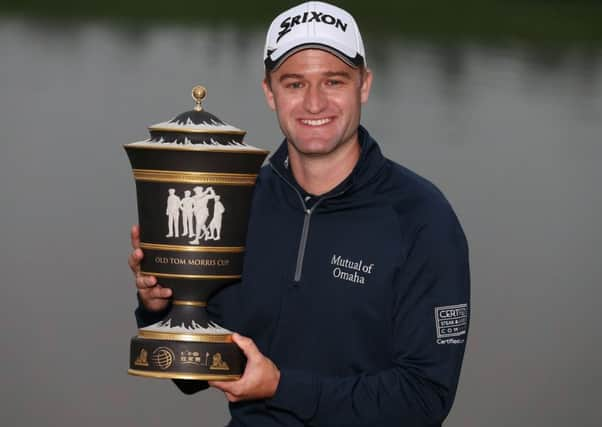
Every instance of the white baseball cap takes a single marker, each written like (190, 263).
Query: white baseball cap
(316, 25)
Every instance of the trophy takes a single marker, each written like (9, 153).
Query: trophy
(194, 183)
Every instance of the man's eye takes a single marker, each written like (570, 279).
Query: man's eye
(294, 85)
(334, 82)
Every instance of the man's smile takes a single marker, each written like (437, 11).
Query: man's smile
(316, 122)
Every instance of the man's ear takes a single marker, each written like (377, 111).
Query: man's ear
(269, 95)
(366, 85)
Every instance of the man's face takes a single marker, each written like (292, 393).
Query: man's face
(317, 98)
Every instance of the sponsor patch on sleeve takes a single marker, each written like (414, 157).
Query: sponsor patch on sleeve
(451, 321)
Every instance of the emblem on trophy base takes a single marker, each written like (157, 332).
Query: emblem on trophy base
(194, 184)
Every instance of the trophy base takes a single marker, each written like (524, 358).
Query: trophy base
(186, 356)
(183, 376)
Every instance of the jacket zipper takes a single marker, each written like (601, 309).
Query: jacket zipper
(306, 221)
(303, 242)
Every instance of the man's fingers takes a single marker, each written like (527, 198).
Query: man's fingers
(144, 282)
(246, 345)
(221, 385)
(155, 298)
(160, 292)
(134, 260)
(153, 295)
(224, 386)
(154, 304)
(151, 289)
(228, 387)
(135, 236)
(149, 281)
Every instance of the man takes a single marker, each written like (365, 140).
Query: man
(215, 226)
(353, 307)
(187, 208)
(173, 213)
(201, 212)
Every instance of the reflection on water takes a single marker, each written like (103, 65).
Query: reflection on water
(510, 133)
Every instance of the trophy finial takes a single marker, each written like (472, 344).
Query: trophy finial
(199, 93)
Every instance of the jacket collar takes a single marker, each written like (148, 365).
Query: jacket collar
(369, 163)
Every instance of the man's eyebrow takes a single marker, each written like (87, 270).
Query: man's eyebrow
(290, 76)
(344, 74)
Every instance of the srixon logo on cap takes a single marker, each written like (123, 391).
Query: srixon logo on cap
(311, 16)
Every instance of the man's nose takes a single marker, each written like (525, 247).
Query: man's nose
(315, 99)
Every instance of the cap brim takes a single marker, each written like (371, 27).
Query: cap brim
(273, 64)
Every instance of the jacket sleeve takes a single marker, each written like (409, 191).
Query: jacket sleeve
(430, 324)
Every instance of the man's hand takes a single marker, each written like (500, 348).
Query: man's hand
(154, 297)
(260, 379)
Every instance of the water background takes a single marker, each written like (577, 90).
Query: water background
(510, 133)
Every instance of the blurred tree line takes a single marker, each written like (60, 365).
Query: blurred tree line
(539, 21)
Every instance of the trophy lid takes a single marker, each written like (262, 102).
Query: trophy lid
(196, 129)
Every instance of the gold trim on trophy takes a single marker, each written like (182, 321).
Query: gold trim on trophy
(195, 177)
(191, 130)
(180, 248)
(183, 147)
(192, 276)
(183, 376)
(224, 338)
(189, 303)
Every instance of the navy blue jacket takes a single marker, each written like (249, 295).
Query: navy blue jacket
(359, 296)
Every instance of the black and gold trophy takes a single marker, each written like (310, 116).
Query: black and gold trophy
(194, 182)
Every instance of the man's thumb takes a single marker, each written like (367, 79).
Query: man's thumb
(246, 345)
